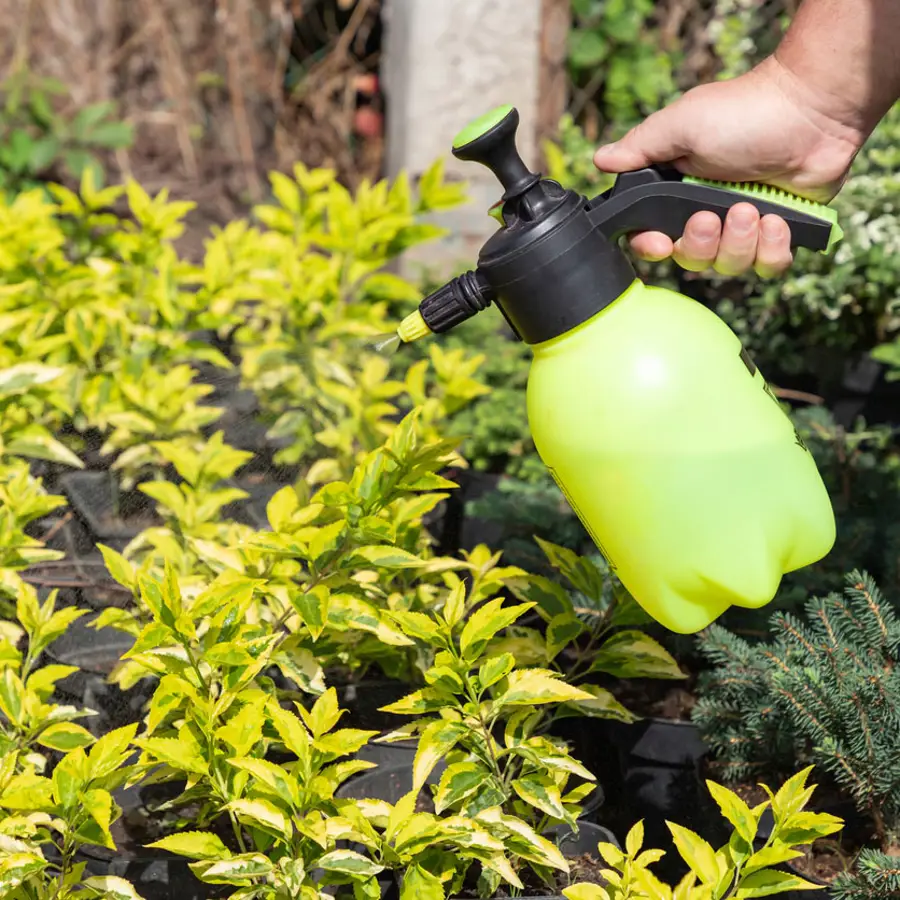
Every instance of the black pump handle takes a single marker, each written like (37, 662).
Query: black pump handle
(662, 199)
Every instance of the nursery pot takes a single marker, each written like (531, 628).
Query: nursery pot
(575, 847)
(155, 874)
(113, 517)
(96, 653)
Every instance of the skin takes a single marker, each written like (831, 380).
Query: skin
(796, 121)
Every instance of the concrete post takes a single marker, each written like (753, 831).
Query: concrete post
(446, 62)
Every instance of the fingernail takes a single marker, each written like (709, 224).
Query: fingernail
(772, 230)
(606, 149)
(742, 221)
(705, 230)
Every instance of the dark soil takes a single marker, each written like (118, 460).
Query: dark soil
(585, 869)
(823, 862)
(653, 698)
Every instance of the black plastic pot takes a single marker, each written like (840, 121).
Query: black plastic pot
(112, 520)
(96, 653)
(156, 874)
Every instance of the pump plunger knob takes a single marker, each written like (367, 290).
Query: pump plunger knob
(491, 141)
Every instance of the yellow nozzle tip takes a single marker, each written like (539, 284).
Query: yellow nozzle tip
(412, 328)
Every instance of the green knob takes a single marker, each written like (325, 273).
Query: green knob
(496, 212)
(481, 126)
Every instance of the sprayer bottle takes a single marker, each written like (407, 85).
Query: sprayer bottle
(648, 412)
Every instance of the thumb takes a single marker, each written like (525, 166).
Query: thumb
(658, 139)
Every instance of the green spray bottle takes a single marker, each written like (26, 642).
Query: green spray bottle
(650, 415)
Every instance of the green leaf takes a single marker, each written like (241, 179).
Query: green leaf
(561, 632)
(263, 814)
(455, 605)
(386, 557)
(772, 855)
(119, 567)
(420, 626)
(291, 731)
(437, 740)
(697, 853)
(233, 870)
(281, 507)
(65, 736)
(585, 892)
(633, 654)
(312, 607)
(12, 694)
(282, 783)
(346, 862)
(587, 48)
(771, 881)
(581, 573)
(542, 793)
(194, 844)
(421, 885)
(416, 703)
(495, 669)
(529, 687)
(458, 782)
(174, 752)
(735, 811)
(486, 622)
(324, 715)
(602, 704)
(111, 887)
(98, 805)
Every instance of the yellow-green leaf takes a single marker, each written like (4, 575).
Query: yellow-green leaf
(263, 814)
(194, 845)
(387, 557)
(111, 887)
(486, 622)
(771, 881)
(528, 687)
(458, 782)
(633, 654)
(346, 862)
(65, 736)
(697, 853)
(542, 793)
(735, 811)
(421, 885)
(436, 741)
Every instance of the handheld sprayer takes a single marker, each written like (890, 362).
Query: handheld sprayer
(647, 411)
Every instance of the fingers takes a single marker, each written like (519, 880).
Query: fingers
(659, 138)
(773, 253)
(696, 249)
(652, 246)
(745, 242)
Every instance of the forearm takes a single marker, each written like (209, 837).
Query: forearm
(845, 55)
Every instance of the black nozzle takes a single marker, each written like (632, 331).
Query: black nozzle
(456, 301)
(491, 141)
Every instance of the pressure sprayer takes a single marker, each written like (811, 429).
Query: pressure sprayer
(650, 415)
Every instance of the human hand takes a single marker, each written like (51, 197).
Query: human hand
(763, 126)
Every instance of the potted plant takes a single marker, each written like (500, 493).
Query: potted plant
(821, 691)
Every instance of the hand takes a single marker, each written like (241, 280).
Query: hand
(763, 126)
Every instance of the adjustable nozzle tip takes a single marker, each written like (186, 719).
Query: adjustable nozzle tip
(412, 328)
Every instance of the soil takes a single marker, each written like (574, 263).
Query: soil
(822, 862)
(653, 698)
(585, 869)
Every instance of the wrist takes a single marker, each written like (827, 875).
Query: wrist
(832, 111)
(822, 91)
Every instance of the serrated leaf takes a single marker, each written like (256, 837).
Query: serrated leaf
(771, 881)
(98, 805)
(346, 862)
(542, 793)
(194, 845)
(485, 623)
(458, 782)
(735, 811)
(387, 557)
(421, 885)
(633, 654)
(111, 887)
(312, 607)
(275, 777)
(437, 740)
(235, 869)
(263, 814)
(495, 669)
(697, 853)
(528, 687)
(65, 736)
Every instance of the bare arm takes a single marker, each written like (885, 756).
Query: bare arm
(796, 121)
(842, 57)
